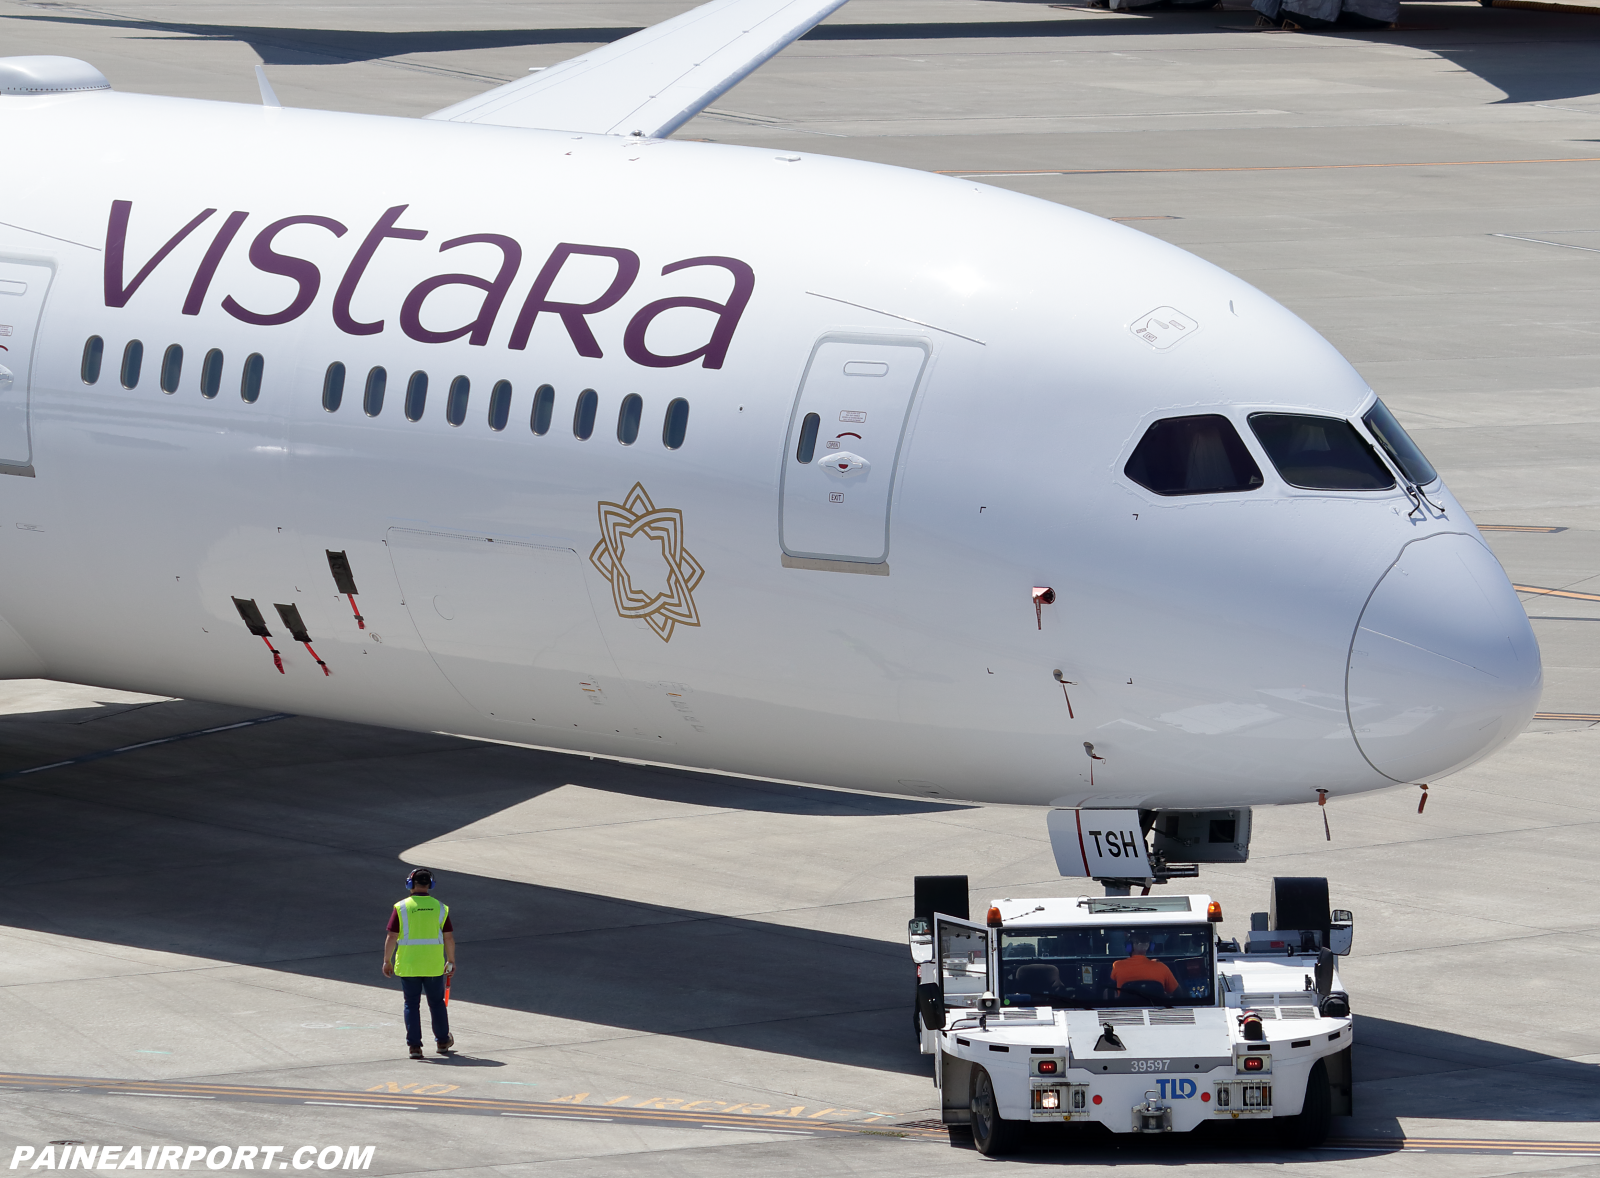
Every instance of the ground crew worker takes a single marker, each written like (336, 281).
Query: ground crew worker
(421, 948)
(1139, 967)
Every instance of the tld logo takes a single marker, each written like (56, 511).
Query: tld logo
(1176, 1089)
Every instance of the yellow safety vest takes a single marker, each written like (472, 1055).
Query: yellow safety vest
(419, 953)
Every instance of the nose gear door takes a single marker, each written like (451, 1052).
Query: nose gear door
(23, 286)
(843, 448)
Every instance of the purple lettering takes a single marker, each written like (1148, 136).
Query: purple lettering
(118, 295)
(208, 264)
(494, 293)
(264, 258)
(715, 349)
(572, 314)
(358, 266)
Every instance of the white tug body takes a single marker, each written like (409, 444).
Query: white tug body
(1047, 1012)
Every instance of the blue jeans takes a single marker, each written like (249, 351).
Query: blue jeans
(414, 989)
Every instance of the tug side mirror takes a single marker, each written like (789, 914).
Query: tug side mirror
(930, 1003)
(1341, 932)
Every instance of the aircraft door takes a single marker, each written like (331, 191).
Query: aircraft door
(23, 286)
(512, 627)
(962, 953)
(843, 447)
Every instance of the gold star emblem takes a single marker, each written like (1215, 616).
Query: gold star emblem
(654, 535)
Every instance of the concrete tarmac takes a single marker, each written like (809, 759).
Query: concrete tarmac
(677, 974)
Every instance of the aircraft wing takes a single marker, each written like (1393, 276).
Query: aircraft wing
(655, 81)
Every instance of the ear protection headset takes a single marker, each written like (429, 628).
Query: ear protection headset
(411, 880)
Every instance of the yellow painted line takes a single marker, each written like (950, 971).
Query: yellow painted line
(1577, 159)
(1517, 528)
(1568, 593)
(1584, 1148)
(1583, 717)
(652, 1110)
(1545, 6)
(614, 1111)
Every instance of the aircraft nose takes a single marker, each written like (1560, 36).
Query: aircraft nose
(1444, 667)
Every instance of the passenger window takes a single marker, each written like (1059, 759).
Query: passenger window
(372, 400)
(676, 424)
(807, 448)
(455, 407)
(500, 405)
(132, 359)
(211, 374)
(1201, 455)
(333, 387)
(250, 382)
(1320, 453)
(94, 349)
(544, 410)
(583, 415)
(171, 369)
(628, 419)
(1405, 453)
(416, 396)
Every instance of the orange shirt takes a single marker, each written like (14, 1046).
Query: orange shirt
(1140, 968)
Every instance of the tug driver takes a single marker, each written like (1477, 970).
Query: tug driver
(1139, 968)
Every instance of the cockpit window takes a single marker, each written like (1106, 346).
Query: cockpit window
(1200, 455)
(1320, 453)
(1405, 453)
(1108, 965)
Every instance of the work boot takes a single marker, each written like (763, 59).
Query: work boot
(444, 1047)
(416, 1051)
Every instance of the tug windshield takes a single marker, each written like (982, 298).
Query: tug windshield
(1108, 965)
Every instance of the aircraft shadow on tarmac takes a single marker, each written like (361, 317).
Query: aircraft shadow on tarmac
(280, 847)
(1530, 56)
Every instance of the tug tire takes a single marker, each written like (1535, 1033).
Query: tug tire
(1309, 1128)
(991, 1133)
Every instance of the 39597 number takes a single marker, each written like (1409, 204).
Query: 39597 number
(1151, 1065)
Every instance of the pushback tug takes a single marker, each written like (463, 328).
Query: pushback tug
(1132, 1013)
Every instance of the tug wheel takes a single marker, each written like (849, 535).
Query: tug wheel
(991, 1133)
(1310, 1128)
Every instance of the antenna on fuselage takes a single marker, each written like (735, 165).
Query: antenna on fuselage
(268, 98)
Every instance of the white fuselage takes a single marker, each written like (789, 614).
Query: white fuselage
(720, 619)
